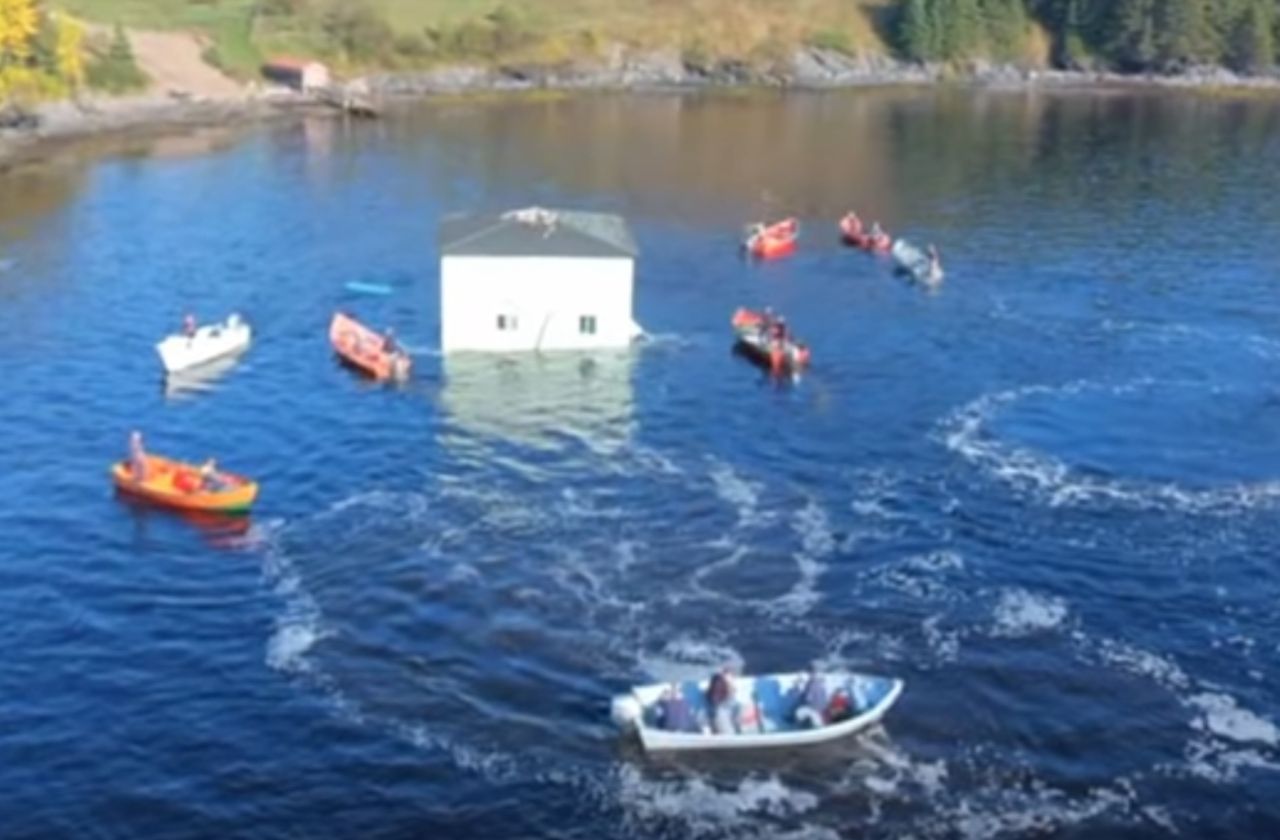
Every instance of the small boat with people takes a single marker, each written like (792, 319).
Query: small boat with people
(768, 242)
(876, 239)
(377, 355)
(176, 484)
(925, 267)
(199, 345)
(765, 339)
(727, 712)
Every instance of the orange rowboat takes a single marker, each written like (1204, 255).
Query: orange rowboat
(364, 349)
(177, 485)
(776, 240)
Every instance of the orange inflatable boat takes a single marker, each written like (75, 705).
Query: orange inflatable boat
(178, 485)
(365, 350)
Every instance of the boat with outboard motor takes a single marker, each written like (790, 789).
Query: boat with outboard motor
(185, 351)
(765, 711)
(764, 339)
(925, 267)
(366, 350)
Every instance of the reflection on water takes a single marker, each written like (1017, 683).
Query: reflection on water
(538, 400)
(201, 379)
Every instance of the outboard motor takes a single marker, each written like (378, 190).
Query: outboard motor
(626, 711)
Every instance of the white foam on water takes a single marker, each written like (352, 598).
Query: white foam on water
(742, 495)
(922, 576)
(1221, 716)
(1058, 485)
(873, 489)
(943, 644)
(1227, 738)
(650, 460)
(1221, 763)
(1037, 811)
(299, 626)
(574, 504)
(705, 808)
(1161, 670)
(686, 658)
(812, 527)
(890, 773)
(1021, 613)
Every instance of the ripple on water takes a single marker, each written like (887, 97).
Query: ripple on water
(1095, 444)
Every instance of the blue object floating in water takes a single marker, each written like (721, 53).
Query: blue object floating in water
(368, 288)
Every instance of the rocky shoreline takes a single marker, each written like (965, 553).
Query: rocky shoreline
(27, 135)
(808, 68)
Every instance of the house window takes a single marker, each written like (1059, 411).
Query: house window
(508, 323)
(587, 325)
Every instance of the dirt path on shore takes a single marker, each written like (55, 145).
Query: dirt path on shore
(173, 62)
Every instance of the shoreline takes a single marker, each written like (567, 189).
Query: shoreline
(61, 124)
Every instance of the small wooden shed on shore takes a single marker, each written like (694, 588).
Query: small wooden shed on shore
(297, 73)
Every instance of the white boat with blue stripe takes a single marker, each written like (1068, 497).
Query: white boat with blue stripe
(774, 710)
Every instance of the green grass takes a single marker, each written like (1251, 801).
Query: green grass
(739, 28)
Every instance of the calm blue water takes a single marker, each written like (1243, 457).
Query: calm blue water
(1046, 496)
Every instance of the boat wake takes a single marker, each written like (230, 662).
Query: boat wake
(494, 566)
(1046, 478)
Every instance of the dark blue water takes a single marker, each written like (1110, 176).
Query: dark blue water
(1046, 496)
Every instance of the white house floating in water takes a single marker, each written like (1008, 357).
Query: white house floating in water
(536, 279)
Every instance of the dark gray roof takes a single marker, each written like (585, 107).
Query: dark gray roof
(536, 232)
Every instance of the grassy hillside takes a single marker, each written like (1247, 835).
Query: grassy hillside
(405, 33)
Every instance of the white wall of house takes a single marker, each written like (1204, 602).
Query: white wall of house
(513, 304)
(314, 75)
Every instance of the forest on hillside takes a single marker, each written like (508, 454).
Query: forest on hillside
(50, 48)
(1126, 35)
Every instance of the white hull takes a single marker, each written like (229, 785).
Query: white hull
(210, 343)
(763, 712)
(911, 260)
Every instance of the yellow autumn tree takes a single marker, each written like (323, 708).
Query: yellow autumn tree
(19, 22)
(68, 49)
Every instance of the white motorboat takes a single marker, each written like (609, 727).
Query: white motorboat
(916, 263)
(771, 710)
(208, 343)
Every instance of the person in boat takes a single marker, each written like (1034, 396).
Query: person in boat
(813, 702)
(137, 456)
(779, 330)
(189, 325)
(877, 232)
(389, 344)
(839, 708)
(935, 261)
(211, 481)
(720, 702)
(674, 713)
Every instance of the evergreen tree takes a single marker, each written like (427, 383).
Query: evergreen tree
(916, 34)
(1006, 28)
(1183, 35)
(1252, 46)
(1133, 40)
